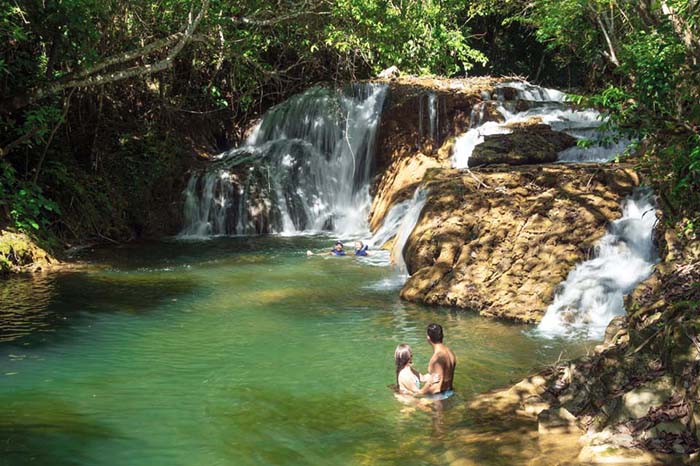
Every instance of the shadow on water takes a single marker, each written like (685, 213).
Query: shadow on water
(36, 306)
(362, 435)
(172, 252)
(46, 431)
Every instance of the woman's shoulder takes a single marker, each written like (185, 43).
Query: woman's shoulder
(406, 373)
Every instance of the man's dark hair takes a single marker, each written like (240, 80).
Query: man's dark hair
(435, 333)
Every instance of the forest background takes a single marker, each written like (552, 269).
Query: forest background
(106, 104)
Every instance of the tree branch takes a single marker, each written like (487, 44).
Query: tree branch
(53, 133)
(88, 77)
(683, 30)
(610, 54)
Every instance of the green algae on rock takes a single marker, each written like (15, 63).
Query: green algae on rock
(19, 253)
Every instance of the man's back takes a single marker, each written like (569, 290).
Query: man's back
(443, 363)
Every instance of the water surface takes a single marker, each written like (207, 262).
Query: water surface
(239, 351)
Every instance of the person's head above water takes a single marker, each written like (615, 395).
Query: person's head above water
(361, 248)
(435, 333)
(338, 246)
(402, 357)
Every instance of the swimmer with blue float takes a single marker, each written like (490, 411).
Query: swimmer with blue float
(361, 249)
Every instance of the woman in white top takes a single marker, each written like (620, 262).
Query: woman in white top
(408, 380)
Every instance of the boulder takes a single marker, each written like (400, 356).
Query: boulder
(389, 73)
(528, 144)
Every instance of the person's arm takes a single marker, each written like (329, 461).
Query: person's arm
(435, 384)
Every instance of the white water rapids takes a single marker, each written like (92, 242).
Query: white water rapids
(551, 107)
(593, 293)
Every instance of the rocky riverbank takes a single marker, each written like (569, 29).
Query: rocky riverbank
(498, 240)
(636, 398)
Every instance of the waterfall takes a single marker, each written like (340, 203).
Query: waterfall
(399, 223)
(431, 100)
(306, 167)
(551, 107)
(433, 113)
(593, 293)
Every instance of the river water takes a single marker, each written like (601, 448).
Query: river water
(241, 351)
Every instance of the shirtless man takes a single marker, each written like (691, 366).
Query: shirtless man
(442, 363)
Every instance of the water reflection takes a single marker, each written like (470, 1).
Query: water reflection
(232, 354)
(24, 305)
(32, 306)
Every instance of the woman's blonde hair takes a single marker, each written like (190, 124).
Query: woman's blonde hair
(402, 356)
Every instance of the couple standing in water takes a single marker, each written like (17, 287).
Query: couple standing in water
(437, 383)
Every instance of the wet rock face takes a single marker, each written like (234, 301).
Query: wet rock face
(420, 119)
(529, 144)
(499, 241)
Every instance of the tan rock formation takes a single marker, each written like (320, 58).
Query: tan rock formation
(405, 148)
(634, 400)
(498, 241)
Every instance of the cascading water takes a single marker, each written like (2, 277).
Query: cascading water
(432, 103)
(306, 167)
(398, 224)
(593, 292)
(550, 107)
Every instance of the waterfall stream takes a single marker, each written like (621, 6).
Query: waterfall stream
(308, 164)
(305, 168)
(399, 223)
(550, 106)
(593, 293)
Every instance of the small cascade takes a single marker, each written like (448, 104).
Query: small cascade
(433, 114)
(476, 117)
(518, 102)
(593, 293)
(433, 129)
(398, 224)
(305, 167)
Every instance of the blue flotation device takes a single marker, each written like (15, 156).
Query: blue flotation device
(362, 251)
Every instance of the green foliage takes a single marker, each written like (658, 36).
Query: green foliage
(29, 210)
(419, 37)
(113, 156)
(644, 61)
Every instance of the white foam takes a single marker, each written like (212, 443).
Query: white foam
(593, 293)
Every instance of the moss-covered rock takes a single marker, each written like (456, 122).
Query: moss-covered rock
(19, 253)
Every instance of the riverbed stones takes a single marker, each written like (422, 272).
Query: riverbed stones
(556, 421)
(498, 241)
(637, 403)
